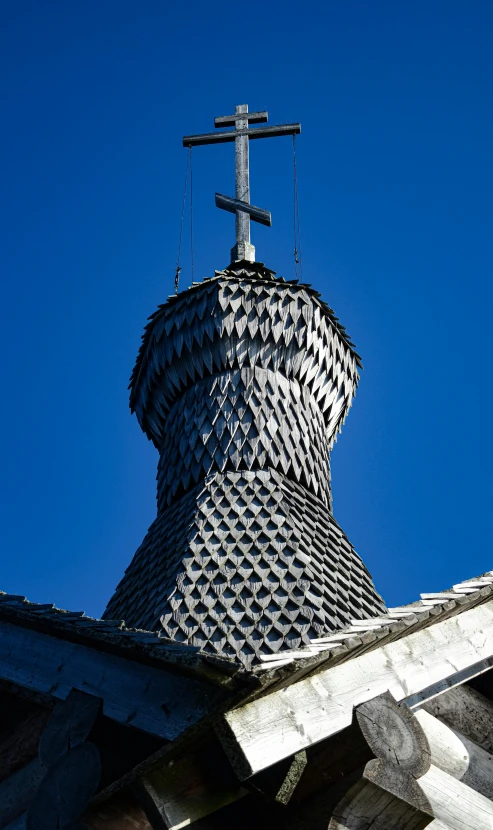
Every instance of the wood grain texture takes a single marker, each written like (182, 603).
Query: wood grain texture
(278, 783)
(284, 722)
(183, 791)
(467, 711)
(455, 804)
(458, 756)
(394, 734)
(150, 699)
(366, 806)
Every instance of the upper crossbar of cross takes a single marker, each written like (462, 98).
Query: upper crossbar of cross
(241, 135)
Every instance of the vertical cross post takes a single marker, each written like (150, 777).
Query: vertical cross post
(241, 135)
(243, 248)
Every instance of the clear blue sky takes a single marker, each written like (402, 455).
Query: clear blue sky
(395, 179)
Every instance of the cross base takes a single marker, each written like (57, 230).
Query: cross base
(243, 250)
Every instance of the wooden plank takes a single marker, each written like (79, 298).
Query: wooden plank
(438, 688)
(264, 731)
(455, 804)
(367, 805)
(151, 699)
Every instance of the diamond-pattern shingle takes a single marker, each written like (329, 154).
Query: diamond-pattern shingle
(242, 383)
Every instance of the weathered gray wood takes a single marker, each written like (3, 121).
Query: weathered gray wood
(444, 685)
(467, 711)
(230, 120)
(366, 806)
(394, 734)
(150, 699)
(183, 790)
(455, 804)
(69, 725)
(436, 795)
(264, 217)
(66, 790)
(401, 784)
(17, 791)
(263, 732)
(256, 132)
(278, 783)
(457, 755)
(243, 250)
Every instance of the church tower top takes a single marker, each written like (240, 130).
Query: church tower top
(242, 383)
(241, 135)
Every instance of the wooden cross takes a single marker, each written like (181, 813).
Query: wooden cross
(241, 134)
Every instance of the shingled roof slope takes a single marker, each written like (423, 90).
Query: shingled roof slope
(345, 644)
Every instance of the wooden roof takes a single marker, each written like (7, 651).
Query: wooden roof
(418, 652)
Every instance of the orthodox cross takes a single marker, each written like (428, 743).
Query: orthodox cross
(241, 135)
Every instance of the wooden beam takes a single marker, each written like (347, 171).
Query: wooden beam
(151, 699)
(367, 805)
(121, 812)
(467, 711)
(291, 719)
(393, 801)
(455, 804)
(232, 205)
(256, 132)
(230, 120)
(470, 672)
(394, 734)
(187, 788)
(278, 783)
(456, 755)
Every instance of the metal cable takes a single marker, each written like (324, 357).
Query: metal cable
(191, 215)
(178, 267)
(296, 219)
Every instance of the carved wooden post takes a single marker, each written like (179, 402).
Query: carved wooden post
(388, 796)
